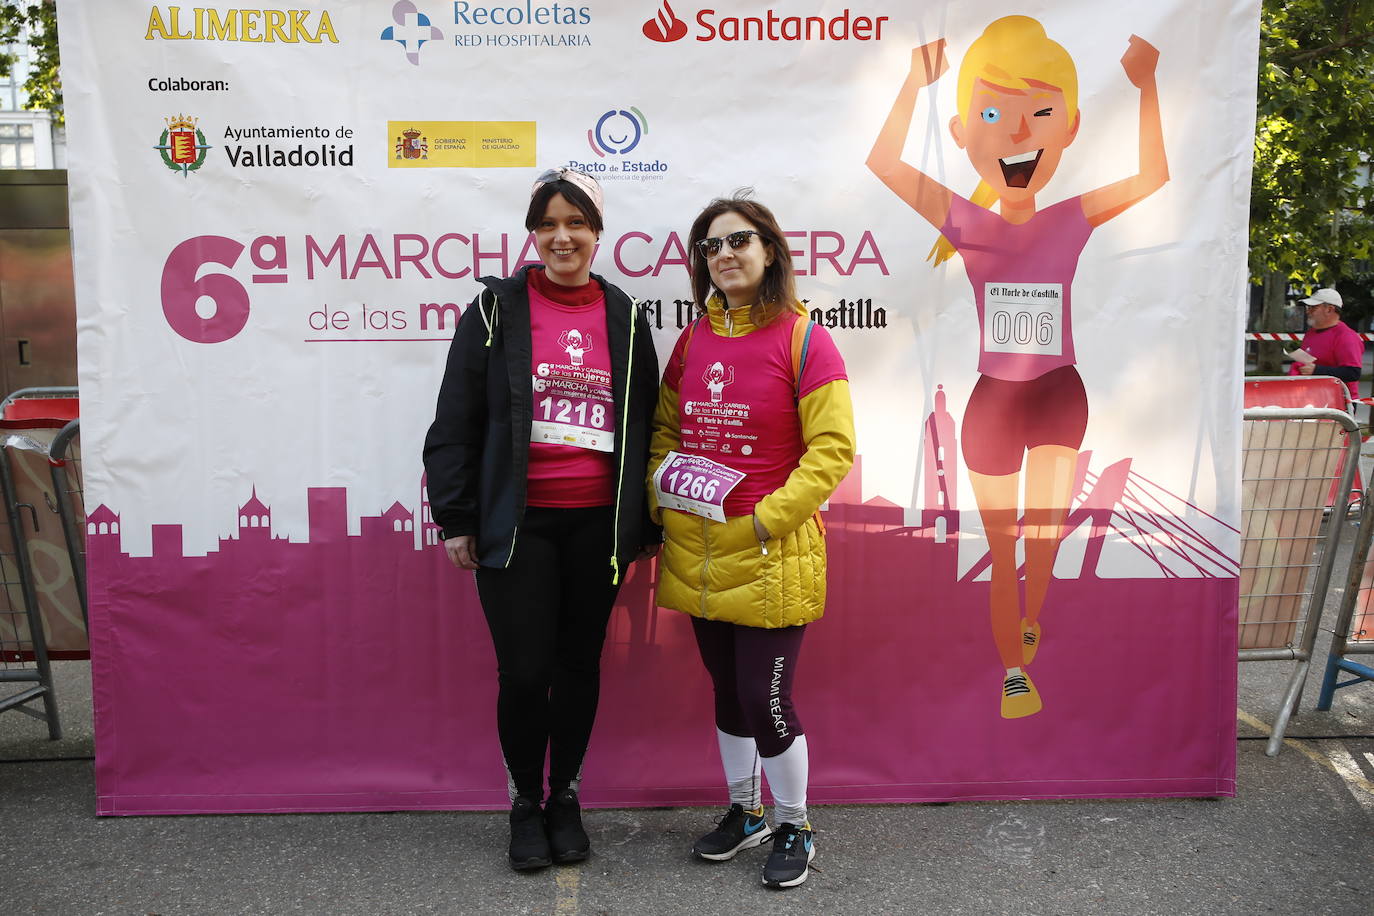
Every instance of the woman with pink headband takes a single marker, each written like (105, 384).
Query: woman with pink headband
(535, 465)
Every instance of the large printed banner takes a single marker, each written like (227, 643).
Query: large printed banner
(281, 212)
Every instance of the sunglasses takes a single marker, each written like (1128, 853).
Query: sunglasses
(711, 247)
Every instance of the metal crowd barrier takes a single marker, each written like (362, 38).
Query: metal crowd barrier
(64, 459)
(1353, 633)
(1290, 458)
(24, 658)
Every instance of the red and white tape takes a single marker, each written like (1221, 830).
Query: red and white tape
(1268, 335)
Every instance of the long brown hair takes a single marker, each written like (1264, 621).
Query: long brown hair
(778, 290)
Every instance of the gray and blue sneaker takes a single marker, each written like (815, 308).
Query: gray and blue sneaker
(793, 849)
(737, 829)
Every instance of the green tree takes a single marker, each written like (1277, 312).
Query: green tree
(1310, 212)
(44, 84)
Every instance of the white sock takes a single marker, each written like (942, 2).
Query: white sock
(740, 758)
(787, 777)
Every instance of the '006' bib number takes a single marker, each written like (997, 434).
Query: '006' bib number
(1023, 318)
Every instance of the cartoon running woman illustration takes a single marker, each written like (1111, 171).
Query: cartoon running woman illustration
(1017, 113)
(576, 343)
(716, 377)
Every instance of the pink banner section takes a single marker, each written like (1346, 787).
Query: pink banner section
(356, 673)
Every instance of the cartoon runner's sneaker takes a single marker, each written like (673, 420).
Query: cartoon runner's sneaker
(1030, 641)
(1019, 697)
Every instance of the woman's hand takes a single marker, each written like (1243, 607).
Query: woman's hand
(1139, 62)
(760, 532)
(648, 550)
(462, 551)
(928, 63)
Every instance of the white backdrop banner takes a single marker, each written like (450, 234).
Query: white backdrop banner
(279, 214)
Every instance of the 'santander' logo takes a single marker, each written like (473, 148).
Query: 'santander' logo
(182, 145)
(665, 26)
(714, 26)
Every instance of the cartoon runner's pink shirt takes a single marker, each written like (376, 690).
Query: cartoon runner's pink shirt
(737, 402)
(1022, 278)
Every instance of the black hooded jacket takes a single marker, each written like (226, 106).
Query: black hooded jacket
(477, 450)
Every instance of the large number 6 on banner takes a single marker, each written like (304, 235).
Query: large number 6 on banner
(181, 290)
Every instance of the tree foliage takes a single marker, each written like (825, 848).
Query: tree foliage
(1311, 214)
(37, 22)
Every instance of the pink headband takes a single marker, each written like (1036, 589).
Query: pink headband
(585, 183)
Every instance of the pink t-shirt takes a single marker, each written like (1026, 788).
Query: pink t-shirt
(737, 401)
(1022, 278)
(1338, 345)
(573, 432)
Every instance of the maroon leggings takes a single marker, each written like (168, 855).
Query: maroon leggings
(751, 669)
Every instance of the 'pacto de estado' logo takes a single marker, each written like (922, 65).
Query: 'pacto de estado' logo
(665, 26)
(617, 132)
(718, 25)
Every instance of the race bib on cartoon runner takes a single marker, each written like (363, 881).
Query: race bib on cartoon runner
(573, 406)
(1023, 318)
(694, 484)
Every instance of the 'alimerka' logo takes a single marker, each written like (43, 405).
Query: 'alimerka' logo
(411, 144)
(617, 132)
(182, 145)
(665, 26)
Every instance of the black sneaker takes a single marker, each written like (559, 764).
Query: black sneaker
(529, 847)
(563, 823)
(793, 850)
(737, 829)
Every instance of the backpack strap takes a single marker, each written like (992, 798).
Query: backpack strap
(801, 343)
(682, 357)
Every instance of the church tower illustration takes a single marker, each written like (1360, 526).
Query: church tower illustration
(940, 488)
(255, 520)
(940, 473)
(428, 527)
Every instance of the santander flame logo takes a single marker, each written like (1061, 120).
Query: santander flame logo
(665, 26)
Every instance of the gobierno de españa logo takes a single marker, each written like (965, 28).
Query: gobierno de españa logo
(182, 145)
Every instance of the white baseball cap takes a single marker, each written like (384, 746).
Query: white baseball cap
(1324, 297)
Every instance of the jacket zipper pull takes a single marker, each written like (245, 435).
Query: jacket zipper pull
(763, 548)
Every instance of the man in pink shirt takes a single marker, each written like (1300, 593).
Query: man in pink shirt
(1337, 350)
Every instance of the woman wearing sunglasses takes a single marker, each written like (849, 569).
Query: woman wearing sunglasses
(753, 431)
(535, 464)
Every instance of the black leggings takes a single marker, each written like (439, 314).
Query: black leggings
(547, 612)
(751, 669)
